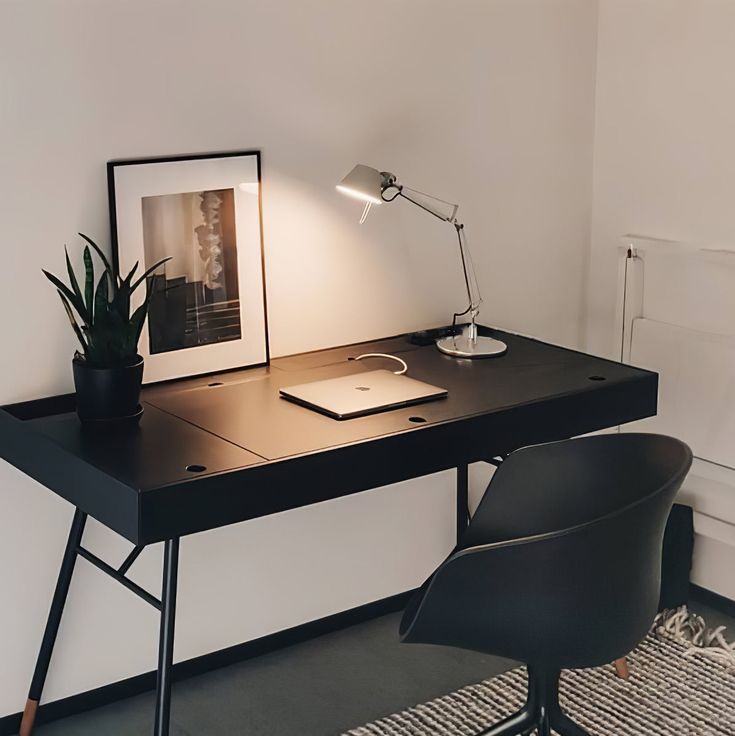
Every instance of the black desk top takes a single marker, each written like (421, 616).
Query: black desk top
(262, 454)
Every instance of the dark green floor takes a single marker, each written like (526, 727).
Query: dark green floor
(318, 688)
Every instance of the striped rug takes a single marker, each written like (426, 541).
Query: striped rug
(682, 684)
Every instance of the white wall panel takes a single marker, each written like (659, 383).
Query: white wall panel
(696, 386)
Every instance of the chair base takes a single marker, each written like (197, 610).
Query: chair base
(541, 714)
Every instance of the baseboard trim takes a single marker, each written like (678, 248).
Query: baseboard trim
(714, 600)
(115, 691)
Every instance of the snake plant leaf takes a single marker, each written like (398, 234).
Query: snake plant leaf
(148, 272)
(129, 277)
(138, 318)
(124, 292)
(121, 300)
(72, 276)
(101, 300)
(103, 258)
(77, 303)
(89, 282)
(74, 325)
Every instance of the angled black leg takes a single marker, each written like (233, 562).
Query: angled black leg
(519, 723)
(52, 624)
(565, 726)
(463, 505)
(166, 640)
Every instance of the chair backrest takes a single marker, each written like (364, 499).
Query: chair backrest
(561, 564)
(546, 488)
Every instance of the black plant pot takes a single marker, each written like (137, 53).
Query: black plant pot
(108, 394)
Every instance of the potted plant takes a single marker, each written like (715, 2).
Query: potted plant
(108, 372)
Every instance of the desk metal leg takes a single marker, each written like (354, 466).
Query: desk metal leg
(463, 504)
(53, 621)
(166, 640)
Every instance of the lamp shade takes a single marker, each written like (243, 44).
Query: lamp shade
(364, 183)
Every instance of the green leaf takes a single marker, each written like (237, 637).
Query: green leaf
(121, 301)
(101, 299)
(137, 321)
(74, 325)
(129, 277)
(102, 256)
(148, 272)
(72, 276)
(112, 273)
(77, 303)
(89, 282)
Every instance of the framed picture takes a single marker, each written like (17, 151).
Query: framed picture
(207, 303)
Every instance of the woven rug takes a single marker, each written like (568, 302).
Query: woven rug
(682, 683)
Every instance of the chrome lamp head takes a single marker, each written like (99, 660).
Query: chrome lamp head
(368, 185)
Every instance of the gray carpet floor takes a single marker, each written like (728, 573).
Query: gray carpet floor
(671, 692)
(322, 687)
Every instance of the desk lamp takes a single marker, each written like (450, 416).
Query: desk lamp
(375, 187)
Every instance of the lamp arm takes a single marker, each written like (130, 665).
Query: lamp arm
(474, 297)
(439, 215)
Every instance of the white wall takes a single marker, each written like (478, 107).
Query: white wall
(664, 166)
(486, 102)
(664, 161)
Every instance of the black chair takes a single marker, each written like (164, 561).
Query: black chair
(560, 567)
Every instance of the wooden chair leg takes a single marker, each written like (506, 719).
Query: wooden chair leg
(621, 667)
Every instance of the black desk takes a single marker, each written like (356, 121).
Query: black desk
(218, 450)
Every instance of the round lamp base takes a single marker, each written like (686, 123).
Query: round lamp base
(461, 346)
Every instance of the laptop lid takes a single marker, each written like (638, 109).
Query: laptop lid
(362, 393)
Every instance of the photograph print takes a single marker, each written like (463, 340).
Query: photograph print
(206, 310)
(194, 296)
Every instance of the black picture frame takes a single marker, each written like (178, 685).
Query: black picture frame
(122, 259)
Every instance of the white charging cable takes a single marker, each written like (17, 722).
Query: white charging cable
(390, 357)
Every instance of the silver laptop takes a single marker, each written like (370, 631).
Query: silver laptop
(362, 393)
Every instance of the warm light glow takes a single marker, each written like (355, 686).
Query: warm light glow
(362, 196)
